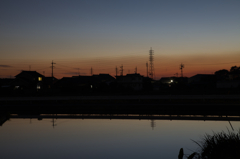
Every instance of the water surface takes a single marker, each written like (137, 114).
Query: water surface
(103, 138)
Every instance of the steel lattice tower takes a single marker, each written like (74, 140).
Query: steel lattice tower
(181, 68)
(151, 66)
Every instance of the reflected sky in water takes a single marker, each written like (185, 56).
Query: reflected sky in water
(103, 138)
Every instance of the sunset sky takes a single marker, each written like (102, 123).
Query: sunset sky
(204, 35)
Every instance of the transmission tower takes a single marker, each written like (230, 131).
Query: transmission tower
(181, 68)
(121, 70)
(151, 67)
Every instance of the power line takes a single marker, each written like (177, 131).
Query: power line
(42, 68)
(65, 66)
(216, 63)
(71, 67)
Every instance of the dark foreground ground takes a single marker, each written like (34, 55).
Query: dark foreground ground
(141, 104)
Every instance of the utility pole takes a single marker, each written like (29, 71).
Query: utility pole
(147, 68)
(29, 67)
(116, 69)
(91, 71)
(121, 70)
(151, 63)
(181, 68)
(136, 70)
(153, 124)
(52, 67)
(53, 121)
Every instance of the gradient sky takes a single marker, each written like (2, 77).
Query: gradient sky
(204, 35)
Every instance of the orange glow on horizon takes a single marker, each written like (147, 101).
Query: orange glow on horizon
(165, 65)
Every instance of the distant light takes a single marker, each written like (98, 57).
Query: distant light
(91, 86)
(38, 87)
(39, 78)
(171, 81)
(16, 87)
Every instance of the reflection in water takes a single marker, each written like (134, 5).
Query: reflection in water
(53, 122)
(153, 124)
(77, 136)
(152, 117)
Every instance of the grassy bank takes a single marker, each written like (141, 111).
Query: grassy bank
(220, 145)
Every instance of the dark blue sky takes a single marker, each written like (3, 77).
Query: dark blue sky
(59, 29)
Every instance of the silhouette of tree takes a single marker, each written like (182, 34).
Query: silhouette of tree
(235, 70)
(222, 72)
